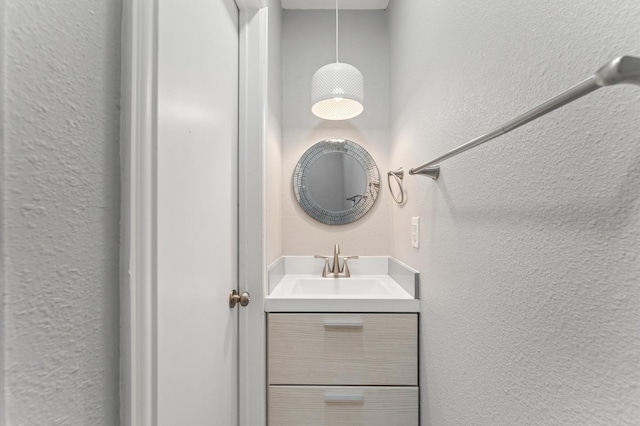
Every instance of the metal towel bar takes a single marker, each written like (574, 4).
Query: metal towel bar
(625, 69)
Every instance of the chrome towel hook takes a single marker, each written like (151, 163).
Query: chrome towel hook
(398, 175)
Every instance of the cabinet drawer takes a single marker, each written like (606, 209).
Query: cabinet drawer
(343, 349)
(343, 406)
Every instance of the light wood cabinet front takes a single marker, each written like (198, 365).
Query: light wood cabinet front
(343, 369)
(343, 349)
(343, 406)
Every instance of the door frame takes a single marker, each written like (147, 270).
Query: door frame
(138, 367)
(252, 262)
(3, 22)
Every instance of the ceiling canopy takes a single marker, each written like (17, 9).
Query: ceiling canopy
(331, 4)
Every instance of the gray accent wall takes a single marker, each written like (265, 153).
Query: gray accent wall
(530, 244)
(60, 205)
(273, 155)
(308, 43)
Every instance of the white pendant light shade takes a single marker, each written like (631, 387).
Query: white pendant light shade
(337, 92)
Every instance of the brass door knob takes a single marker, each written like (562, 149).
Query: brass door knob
(235, 298)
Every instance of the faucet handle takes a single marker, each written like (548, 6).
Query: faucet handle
(326, 270)
(345, 266)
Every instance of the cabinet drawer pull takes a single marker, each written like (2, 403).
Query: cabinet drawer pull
(344, 398)
(343, 323)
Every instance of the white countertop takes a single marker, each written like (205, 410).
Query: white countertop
(360, 293)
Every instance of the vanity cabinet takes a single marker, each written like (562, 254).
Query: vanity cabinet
(343, 369)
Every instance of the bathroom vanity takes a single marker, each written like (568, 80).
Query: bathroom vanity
(340, 355)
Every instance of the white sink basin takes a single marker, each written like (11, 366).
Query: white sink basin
(355, 287)
(377, 284)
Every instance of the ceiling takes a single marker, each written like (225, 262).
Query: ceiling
(331, 4)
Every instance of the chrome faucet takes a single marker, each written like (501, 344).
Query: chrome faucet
(335, 270)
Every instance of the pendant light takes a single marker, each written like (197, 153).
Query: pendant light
(337, 90)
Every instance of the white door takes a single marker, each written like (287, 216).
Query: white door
(197, 145)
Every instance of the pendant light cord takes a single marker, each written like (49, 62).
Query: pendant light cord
(337, 60)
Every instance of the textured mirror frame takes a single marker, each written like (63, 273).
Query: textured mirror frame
(300, 184)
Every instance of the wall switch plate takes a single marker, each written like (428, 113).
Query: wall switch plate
(415, 232)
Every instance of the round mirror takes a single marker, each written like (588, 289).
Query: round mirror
(336, 181)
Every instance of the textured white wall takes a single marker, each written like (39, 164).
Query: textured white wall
(530, 245)
(308, 42)
(273, 196)
(61, 210)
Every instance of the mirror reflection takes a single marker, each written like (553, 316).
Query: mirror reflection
(336, 181)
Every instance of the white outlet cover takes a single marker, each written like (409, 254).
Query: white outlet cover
(415, 232)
